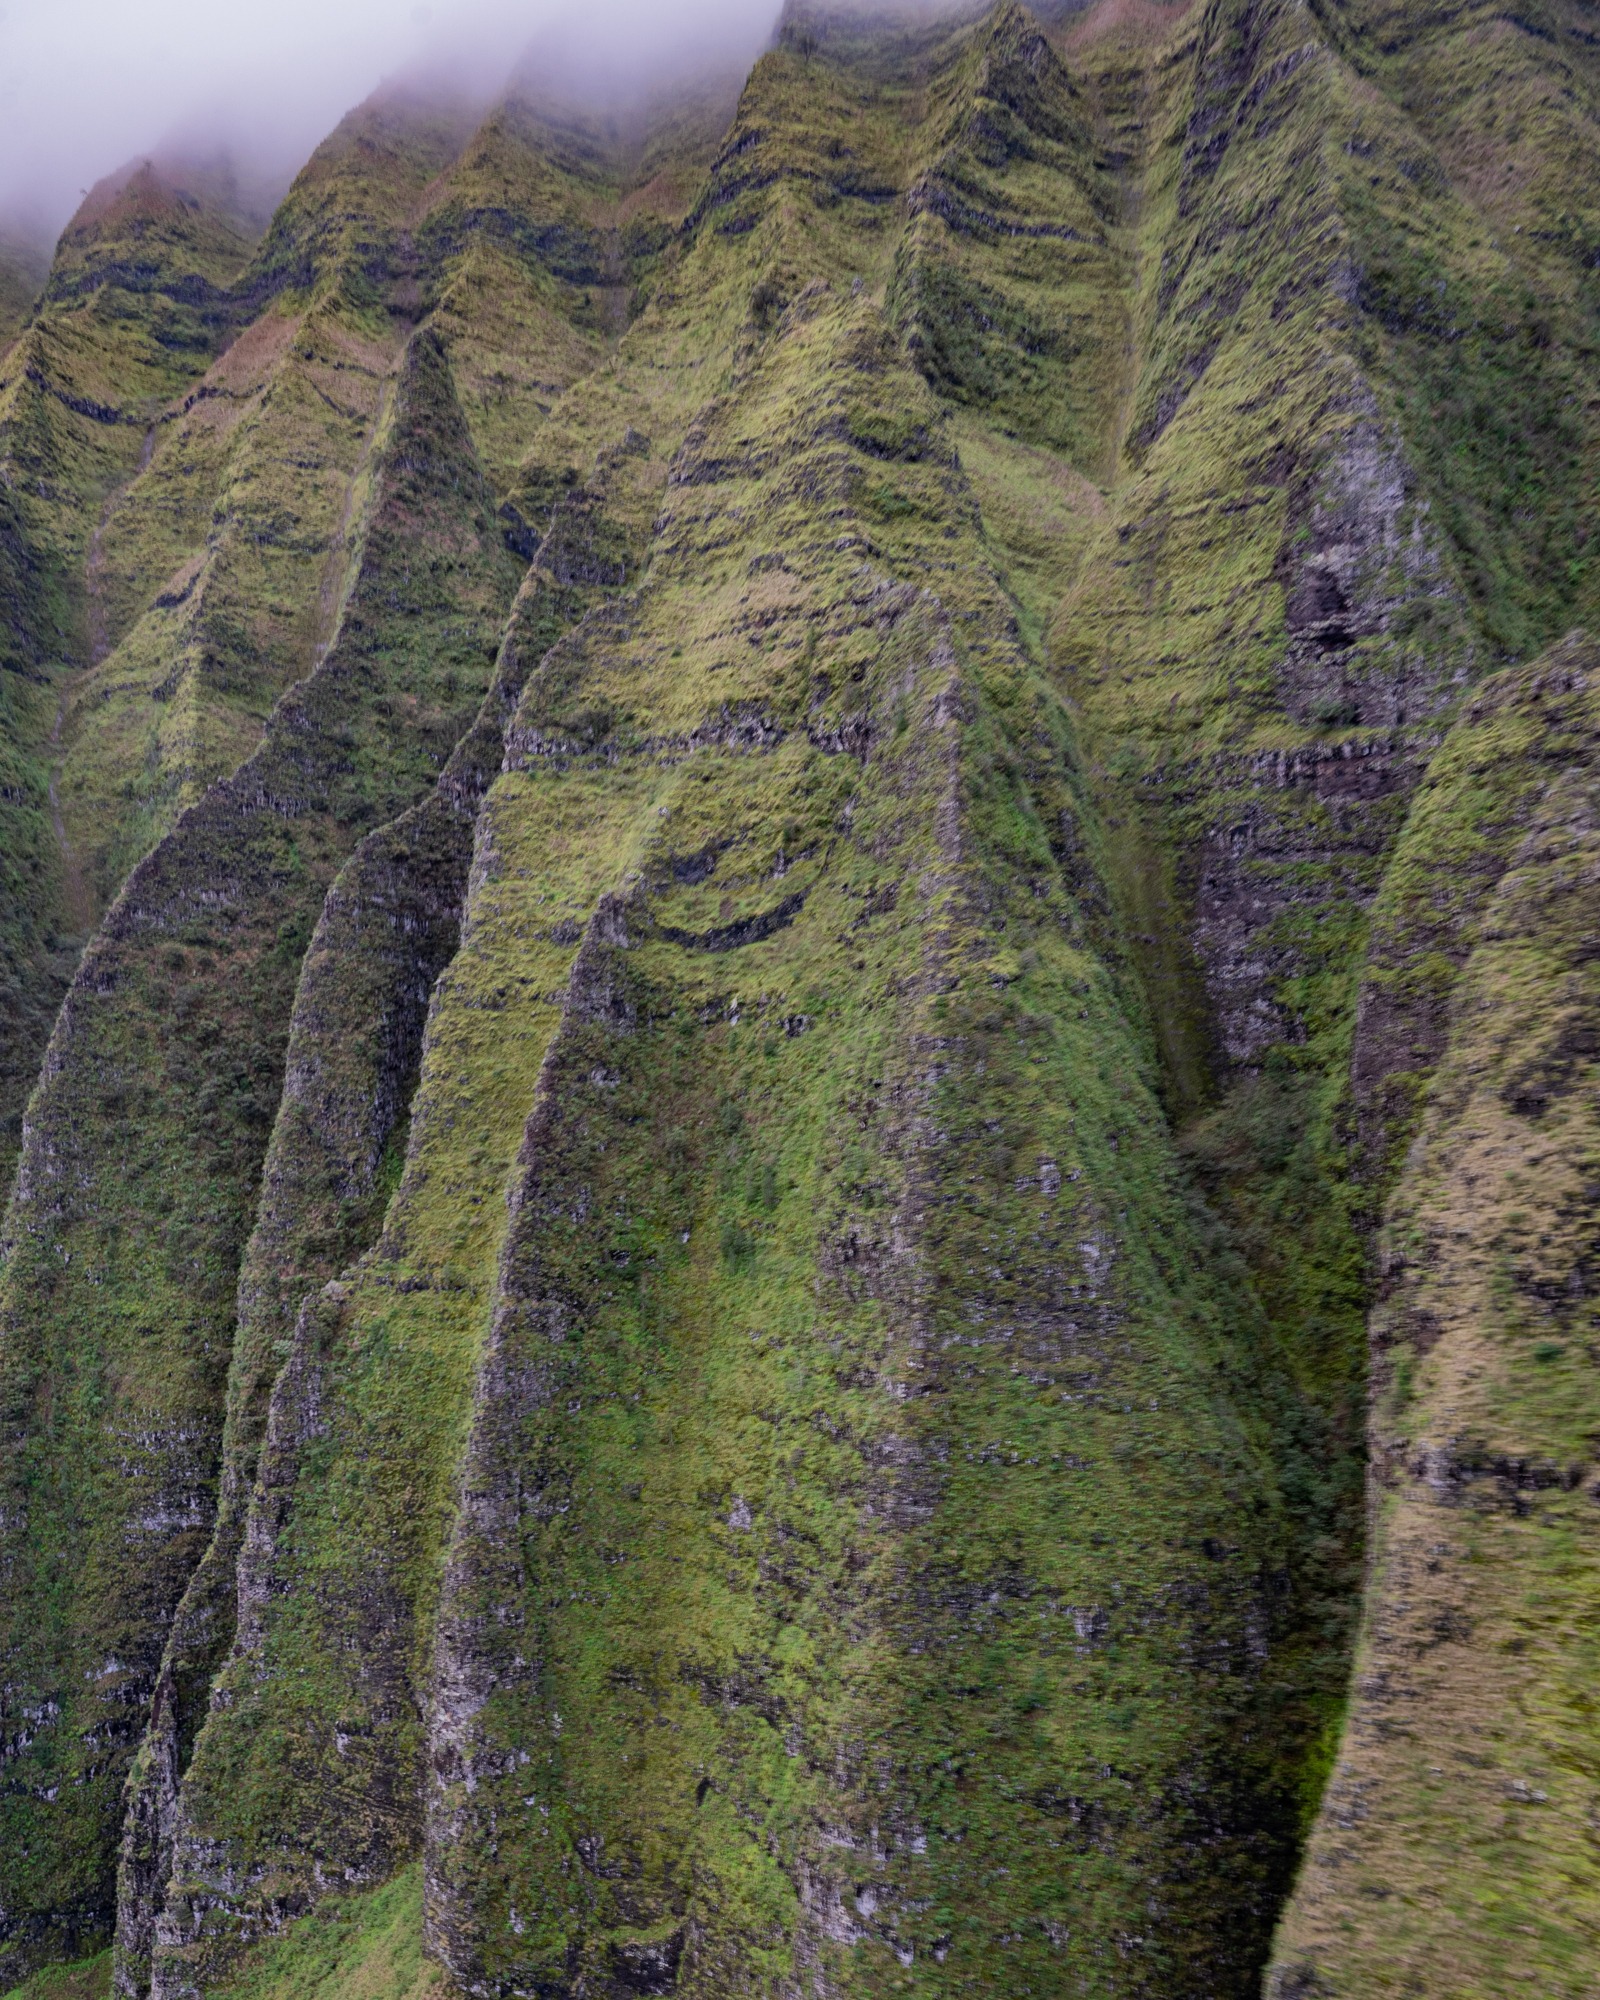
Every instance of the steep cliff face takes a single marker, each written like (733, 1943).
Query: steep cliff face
(762, 760)
(828, 1086)
(143, 1144)
(1455, 1843)
(131, 314)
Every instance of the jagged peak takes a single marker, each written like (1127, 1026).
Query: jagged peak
(162, 187)
(875, 41)
(373, 173)
(159, 220)
(415, 131)
(1016, 65)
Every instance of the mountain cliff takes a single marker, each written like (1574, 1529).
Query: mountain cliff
(798, 1040)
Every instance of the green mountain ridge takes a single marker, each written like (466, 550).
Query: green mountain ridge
(795, 1031)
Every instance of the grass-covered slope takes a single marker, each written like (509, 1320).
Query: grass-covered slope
(135, 306)
(143, 1144)
(801, 1336)
(215, 579)
(784, 643)
(1006, 282)
(24, 266)
(216, 575)
(223, 487)
(1455, 1850)
(243, 559)
(1328, 515)
(815, 1536)
(132, 312)
(388, 927)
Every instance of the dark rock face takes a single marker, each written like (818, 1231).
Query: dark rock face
(1313, 827)
(1361, 559)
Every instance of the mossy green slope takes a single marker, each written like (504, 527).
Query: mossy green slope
(217, 577)
(24, 266)
(1455, 1849)
(213, 494)
(134, 308)
(793, 1660)
(1329, 513)
(221, 499)
(1003, 280)
(1481, 303)
(131, 314)
(363, 1947)
(1252, 754)
(833, 1674)
(347, 223)
(143, 1147)
(1432, 449)
(748, 648)
(388, 928)
(87, 1979)
(1474, 330)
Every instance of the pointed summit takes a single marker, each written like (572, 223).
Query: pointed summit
(157, 224)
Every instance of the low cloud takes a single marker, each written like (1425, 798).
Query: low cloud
(88, 85)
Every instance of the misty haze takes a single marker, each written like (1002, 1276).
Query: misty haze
(799, 1000)
(86, 86)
